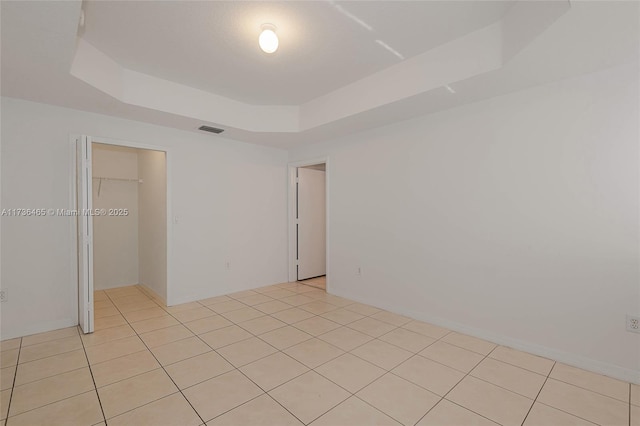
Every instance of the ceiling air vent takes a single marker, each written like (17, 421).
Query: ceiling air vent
(210, 129)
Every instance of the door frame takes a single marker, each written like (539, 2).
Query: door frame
(73, 198)
(291, 214)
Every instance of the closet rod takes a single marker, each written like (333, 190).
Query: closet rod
(120, 179)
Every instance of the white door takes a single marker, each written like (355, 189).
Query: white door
(311, 223)
(85, 233)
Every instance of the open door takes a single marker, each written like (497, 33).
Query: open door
(311, 233)
(85, 233)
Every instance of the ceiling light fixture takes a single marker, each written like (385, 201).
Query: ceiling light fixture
(268, 39)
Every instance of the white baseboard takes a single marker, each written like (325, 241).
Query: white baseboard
(38, 328)
(607, 369)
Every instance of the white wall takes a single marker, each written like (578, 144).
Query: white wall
(513, 219)
(115, 238)
(230, 199)
(152, 228)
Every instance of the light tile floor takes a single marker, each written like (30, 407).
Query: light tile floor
(288, 354)
(318, 282)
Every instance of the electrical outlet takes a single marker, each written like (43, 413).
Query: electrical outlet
(633, 323)
(359, 271)
(4, 295)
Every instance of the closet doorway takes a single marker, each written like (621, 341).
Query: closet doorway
(122, 201)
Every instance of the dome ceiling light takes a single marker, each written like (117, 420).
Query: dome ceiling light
(268, 39)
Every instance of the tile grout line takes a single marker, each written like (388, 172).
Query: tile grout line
(13, 385)
(95, 387)
(538, 394)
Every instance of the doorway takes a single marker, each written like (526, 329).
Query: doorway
(308, 224)
(122, 204)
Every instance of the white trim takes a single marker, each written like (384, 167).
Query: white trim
(607, 369)
(73, 198)
(168, 165)
(291, 178)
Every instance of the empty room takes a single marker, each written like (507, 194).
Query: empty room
(327, 213)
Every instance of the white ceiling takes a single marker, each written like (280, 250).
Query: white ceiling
(329, 68)
(212, 45)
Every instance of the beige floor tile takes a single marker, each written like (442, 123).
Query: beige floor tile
(221, 394)
(354, 411)
(635, 415)
(83, 409)
(137, 306)
(398, 398)
(261, 325)
(170, 410)
(134, 392)
(292, 315)
(591, 381)
(50, 366)
(446, 413)
(145, 314)
(122, 291)
(523, 360)
(180, 350)
(193, 314)
(182, 307)
(108, 322)
(382, 354)
(426, 329)
(241, 315)
(543, 415)
(207, 324)
(246, 351)
(285, 337)
(115, 349)
(52, 389)
(244, 293)
(107, 311)
(107, 335)
(498, 404)
(350, 372)
(336, 300)
(225, 336)
(50, 348)
(391, 318)
(585, 404)
(49, 336)
(309, 396)
(261, 411)
(431, 375)
(255, 299)
(9, 344)
(515, 379)
(342, 316)
(345, 338)
(123, 367)
(100, 295)
(316, 326)
(273, 370)
(272, 307)
(214, 300)
(297, 300)
(163, 336)
(280, 293)
(471, 343)
(103, 303)
(362, 309)
(453, 356)
(9, 358)
(229, 306)
(198, 369)
(153, 324)
(313, 352)
(635, 394)
(7, 375)
(372, 327)
(4, 403)
(318, 307)
(408, 340)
